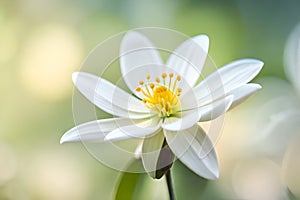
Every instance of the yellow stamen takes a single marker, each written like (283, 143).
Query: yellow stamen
(162, 98)
(178, 78)
(151, 85)
(170, 79)
(148, 92)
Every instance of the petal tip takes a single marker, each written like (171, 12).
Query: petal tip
(132, 33)
(258, 86)
(215, 175)
(258, 63)
(107, 138)
(202, 37)
(131, 36)
(69, 136)
(203, 41)
(228, 102)
(63, 140)
(254, 86)
(75, 76)
(111, 137)
(230, 98)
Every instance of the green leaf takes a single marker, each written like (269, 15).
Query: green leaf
(187, 183)
(290, 195)
(128, 182)
(127, 186)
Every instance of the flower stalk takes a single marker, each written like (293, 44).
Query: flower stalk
(170, 185)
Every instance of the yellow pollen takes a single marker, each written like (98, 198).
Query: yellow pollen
(151, 85)
(161, 97)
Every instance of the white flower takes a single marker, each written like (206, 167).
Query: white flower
(166, 105)
(279, 117)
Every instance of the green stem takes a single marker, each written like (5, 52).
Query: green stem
(170, 185)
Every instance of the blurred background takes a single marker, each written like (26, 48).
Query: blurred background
(43, 41)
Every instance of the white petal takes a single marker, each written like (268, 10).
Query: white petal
(292, 57)
(194, 148)
(108, 97)
(241, 93)
(110, 92)
(136, 50)
(139, 130)
(188, 59)
(150, 152)
(215, 109)
(185, 121)
(138, 150)
(94, 131)
(225, 79)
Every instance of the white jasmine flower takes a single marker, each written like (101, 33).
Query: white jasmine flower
(167, 103)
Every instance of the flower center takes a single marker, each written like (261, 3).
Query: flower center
(160, 96)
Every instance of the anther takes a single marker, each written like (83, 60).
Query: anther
(160, 96)
(151, 85)
(179, 90)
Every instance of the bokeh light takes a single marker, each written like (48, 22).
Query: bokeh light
(57, 175)
(48, 59)
(8, 164)
(257, 179)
